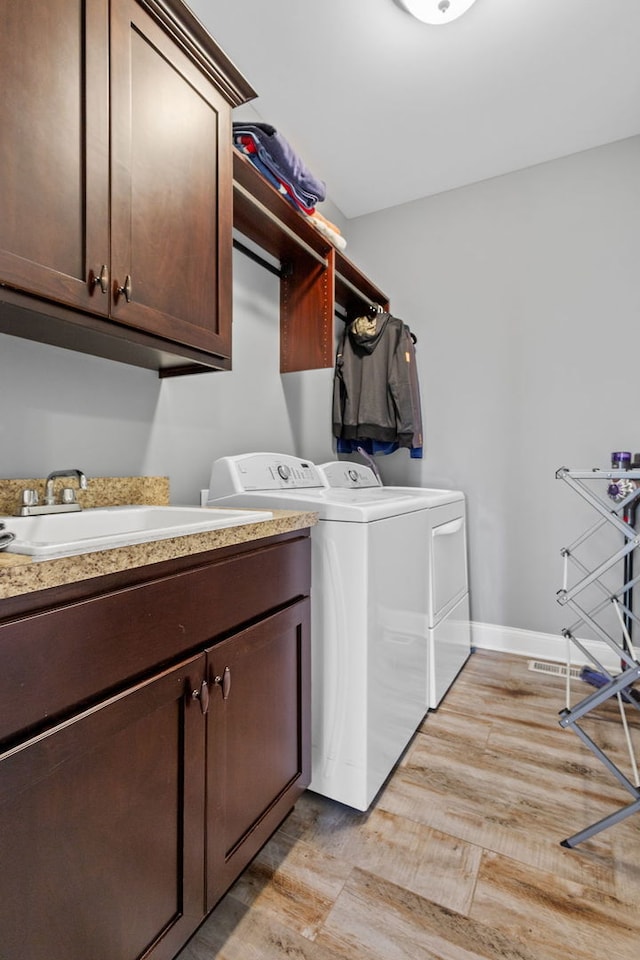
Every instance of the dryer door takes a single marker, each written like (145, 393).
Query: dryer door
(448, 558)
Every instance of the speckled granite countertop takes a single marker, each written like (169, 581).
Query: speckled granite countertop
(20, 574)
(100, 492)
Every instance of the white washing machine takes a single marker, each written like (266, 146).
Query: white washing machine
(371, 601)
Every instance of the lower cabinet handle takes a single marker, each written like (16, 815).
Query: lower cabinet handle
(224, 682)
(202, 695)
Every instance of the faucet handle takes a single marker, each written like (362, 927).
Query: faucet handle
(68, 495)
(29, 497)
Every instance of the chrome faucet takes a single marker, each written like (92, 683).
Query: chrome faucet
(49, 497)
(68, 503)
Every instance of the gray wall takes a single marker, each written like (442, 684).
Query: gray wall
(523, 291)
(62, 409)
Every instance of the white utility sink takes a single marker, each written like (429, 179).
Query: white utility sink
(53, 535)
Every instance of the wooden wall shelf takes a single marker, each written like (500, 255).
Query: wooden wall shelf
(353, 290)
(314, 276)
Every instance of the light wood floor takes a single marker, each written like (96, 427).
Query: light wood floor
(459, 857)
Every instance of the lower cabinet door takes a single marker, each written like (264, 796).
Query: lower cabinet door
(258, 739)
(101, 828)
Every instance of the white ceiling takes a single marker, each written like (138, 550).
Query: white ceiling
(386, 109)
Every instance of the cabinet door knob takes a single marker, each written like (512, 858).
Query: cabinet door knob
(202, 694)
(125, 290)
(224, 682)
(99, 279)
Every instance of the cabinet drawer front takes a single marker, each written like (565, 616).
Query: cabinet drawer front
(52, 661)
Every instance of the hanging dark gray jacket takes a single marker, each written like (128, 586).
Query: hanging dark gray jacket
(376, 395)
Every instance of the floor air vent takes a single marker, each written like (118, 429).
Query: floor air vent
(556, 669)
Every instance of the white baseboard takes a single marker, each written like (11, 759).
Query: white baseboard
(541, 646)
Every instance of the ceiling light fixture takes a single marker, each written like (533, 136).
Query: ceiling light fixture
(436, 11)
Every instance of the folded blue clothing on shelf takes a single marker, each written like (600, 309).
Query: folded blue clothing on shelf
(283, 187)
(279, 156)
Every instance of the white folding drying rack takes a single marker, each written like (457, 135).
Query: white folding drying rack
(610, 514)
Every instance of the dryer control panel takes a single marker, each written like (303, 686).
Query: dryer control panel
(345, 474)
(262, 471)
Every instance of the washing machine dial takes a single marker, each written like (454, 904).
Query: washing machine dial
(283, 471)
(353, 475)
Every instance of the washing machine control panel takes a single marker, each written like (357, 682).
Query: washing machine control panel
(343, 473)
(263, 471)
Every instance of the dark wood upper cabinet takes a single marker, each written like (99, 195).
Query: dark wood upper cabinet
(115, 161)
(54, 140)
(170, 188)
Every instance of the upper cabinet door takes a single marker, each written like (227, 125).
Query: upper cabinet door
(54, 121)
(171, 188)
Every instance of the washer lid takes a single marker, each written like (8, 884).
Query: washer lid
(364, 505)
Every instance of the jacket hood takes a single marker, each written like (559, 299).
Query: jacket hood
(366, 333)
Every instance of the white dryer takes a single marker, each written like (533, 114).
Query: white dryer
(442, 533)
(371, 605)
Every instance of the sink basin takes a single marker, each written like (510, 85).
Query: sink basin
(52, 535)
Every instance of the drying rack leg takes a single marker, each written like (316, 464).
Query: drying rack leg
(609, 821)
(604, 759)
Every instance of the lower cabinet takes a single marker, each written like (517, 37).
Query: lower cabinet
(101, 840)
(123, 824)
(257, 739)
